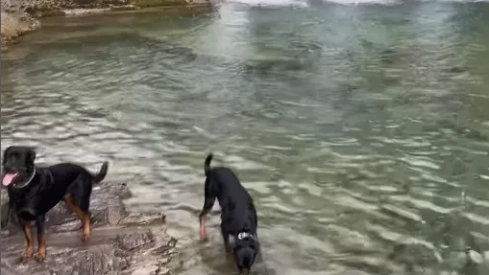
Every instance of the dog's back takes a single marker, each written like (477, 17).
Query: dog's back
(68, 172)
(228, 188)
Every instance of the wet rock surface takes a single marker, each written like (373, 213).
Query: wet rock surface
(121, 243)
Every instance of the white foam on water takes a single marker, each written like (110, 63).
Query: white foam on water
(305, 3)
(455, 1)
(270, 3)
(365, 2)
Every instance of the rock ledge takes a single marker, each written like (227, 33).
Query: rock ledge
(121, 243)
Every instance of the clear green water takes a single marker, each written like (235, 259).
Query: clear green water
(361, 131)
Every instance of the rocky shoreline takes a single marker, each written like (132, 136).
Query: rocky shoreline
(122, 242)
(22, 16)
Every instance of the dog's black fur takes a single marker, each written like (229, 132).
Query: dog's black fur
(46, 188)
(238, 213)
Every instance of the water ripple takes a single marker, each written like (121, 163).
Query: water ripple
(361, 132)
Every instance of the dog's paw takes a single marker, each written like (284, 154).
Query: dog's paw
(203, 234)
(203, 237)
(27, 254)
(40, 256)
(24, 257)
(85, 237)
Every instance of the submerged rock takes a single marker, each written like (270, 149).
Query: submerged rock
(119, 244)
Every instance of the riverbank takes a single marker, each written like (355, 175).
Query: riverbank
(21, 16)
(121, 243)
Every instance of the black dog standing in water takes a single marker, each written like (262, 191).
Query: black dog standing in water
(238, 216)
(33, 191)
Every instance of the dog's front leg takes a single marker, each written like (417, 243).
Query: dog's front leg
(210, 197)
(203, 233)
(27, 228)
(228, 242)
(225, 237)
(41, 238)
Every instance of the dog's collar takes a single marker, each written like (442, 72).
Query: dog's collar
(245, 235)
(27, 182)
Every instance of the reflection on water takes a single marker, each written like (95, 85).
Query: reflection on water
(362, 132)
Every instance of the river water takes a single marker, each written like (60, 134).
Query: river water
(361, 128)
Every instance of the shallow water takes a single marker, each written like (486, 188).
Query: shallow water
(361, 129)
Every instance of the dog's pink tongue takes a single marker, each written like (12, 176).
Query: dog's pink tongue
(8, 178)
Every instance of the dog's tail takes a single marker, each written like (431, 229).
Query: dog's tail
(102, 173)
(207, 165)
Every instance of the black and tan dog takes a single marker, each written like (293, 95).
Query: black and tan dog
(33, 191)
(238, 214)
